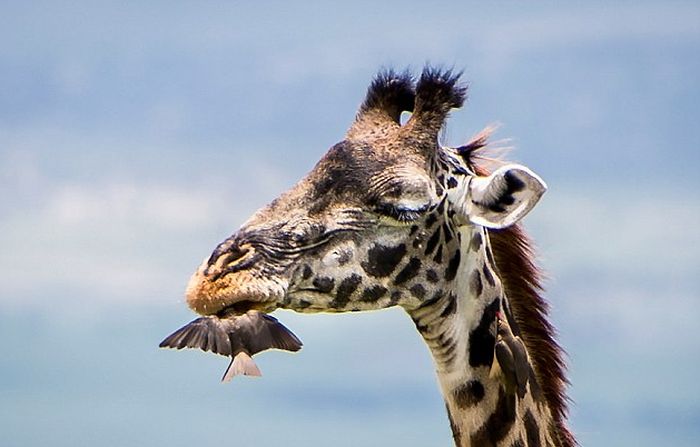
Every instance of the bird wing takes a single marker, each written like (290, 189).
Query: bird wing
(512, 357)
(522, 365)
(205, 333)
(505, 360)
(259, 332)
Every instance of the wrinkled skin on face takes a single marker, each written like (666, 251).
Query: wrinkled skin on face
(354, 195)
(356, 232)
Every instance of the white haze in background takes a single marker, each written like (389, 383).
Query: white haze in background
(133, 139)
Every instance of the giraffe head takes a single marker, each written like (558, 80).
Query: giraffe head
(375, 223)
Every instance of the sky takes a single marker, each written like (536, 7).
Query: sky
(135, 137)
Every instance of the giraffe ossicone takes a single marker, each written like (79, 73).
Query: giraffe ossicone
(390, 217)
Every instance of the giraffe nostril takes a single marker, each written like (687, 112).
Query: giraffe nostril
(231, 262)
(234, 255)
(229, 257)
(226, 252)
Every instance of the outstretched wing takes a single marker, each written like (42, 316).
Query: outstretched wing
(205, 333)
(260, 332)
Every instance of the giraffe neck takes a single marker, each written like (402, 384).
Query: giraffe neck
(462, 342)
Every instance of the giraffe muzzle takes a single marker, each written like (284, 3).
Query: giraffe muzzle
(233, 280)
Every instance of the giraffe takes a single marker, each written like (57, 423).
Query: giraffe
(390, 217)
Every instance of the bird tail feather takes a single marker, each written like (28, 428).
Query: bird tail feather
(242, 364)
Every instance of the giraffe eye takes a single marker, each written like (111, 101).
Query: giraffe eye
(401, 213)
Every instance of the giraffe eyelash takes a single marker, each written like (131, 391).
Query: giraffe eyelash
(401, 214)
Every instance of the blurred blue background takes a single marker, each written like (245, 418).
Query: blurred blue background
(134, 137)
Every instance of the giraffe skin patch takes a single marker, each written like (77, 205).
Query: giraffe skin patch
(382, 260)
(482, 339)
(418, 291)
(447, 231)
(438, 255)
(324, 284)
(532, 430)
(499, 423)
(439, 190)
(469, 394)
(395, 298)
(475, 286)
(303, 304)
(306, 272)
(372, 294)
(432, 276)
(489, 276)
(452, 267)
(475, 243)
(417, 241)
(432, 242)
(345, 290)
(408, 272)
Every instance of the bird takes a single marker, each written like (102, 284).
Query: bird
(236, 336)
(512, 359)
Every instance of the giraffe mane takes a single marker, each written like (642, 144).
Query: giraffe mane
(522, 279)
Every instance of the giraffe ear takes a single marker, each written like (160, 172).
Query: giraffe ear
(504, 197)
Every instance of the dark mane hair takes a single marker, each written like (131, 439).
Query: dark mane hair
(522, 281)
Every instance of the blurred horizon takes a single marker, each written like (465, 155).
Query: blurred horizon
(135, 137)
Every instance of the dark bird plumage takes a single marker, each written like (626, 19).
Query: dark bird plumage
(512, 358)
(238, 337)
